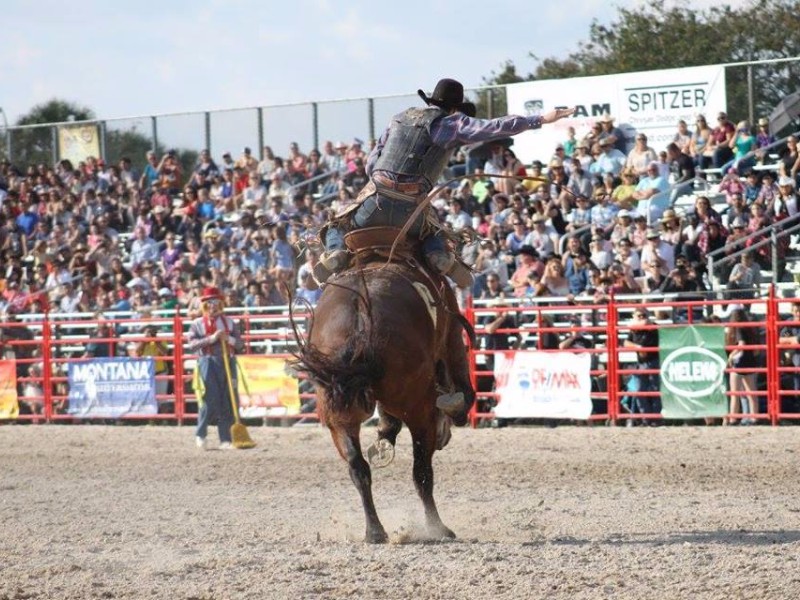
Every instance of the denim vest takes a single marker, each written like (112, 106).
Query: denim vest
(409, 149)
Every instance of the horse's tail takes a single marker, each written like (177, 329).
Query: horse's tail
(349, 374)
(468, 329)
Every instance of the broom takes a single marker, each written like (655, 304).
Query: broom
(240, 438)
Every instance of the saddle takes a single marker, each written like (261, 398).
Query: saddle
(373, 243)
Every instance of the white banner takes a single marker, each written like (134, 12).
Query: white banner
(554, 385)
(652, 102)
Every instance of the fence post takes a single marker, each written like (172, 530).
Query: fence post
(613, 361)
(260, 128)
(773, 358)
(103, 141)
(207, 128)
(315, 123)
(774, 243)
(47, 376)
(469, 311)
(54, 144)
(154, 132)
(710, 272)
(177, 368)
(750, 94)
(371, 117)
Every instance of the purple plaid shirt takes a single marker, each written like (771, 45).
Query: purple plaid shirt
(456, 129)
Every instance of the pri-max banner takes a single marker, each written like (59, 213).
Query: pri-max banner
(554, 385)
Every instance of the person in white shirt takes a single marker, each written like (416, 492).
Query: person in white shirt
(543, 237)
(70, 300)
(458, 218)
(610, 160)
(786, 199)
(143, 248)
(640, 156)
(658, 252)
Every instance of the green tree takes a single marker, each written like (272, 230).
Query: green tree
(657, 36)
(35, 145)
(492, 102)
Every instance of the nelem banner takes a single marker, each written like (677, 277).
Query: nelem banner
(693, 361)
(651, 102)
(265, 388)
(112, 387)
(551, 385)
(9, 402)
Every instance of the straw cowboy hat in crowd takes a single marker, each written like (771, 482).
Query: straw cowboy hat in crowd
(449, 94)
(668, 215)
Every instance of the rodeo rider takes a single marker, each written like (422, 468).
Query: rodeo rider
(406, 163)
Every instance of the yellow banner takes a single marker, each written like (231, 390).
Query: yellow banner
(76, 142)
(9, 406)
(264, 384)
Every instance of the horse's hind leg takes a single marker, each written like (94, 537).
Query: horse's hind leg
(424, 443)
(346, 439)
(388, 427)
(458, 370)
(381, 452)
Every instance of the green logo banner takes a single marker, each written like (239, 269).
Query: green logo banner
(693, 361)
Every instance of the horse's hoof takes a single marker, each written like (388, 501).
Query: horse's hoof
(442, 533)
(377, 537)
(380, 454)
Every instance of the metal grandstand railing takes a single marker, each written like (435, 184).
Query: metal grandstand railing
(773, 233)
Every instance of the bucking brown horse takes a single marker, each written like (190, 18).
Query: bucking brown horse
(388, 335)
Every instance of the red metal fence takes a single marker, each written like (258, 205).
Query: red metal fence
(44, 347)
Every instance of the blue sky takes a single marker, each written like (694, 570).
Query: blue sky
(124, 59)
(148, 57)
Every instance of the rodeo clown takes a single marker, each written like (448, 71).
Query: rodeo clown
(406, 164)
(209, 336)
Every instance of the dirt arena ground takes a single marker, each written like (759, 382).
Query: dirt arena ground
(572, 512)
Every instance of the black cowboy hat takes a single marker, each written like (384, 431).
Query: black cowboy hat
(528, 250)
(448, 94)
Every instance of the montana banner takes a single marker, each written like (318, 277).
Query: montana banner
(553, 385)
(9, 404)
(112, 387)
(649, 102)
(265, 388)
(693, 364)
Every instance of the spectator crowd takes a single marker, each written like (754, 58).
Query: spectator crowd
(598, 219)
(96, 237)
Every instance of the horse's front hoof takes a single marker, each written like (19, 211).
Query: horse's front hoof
(377, 537)
(440, 532)
(380, 454)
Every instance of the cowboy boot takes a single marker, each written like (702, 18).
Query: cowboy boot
(440, 261)
(330, 263)
(446, 264)
(461, 274)
(451, 404)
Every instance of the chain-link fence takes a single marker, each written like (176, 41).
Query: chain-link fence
(753, 90)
